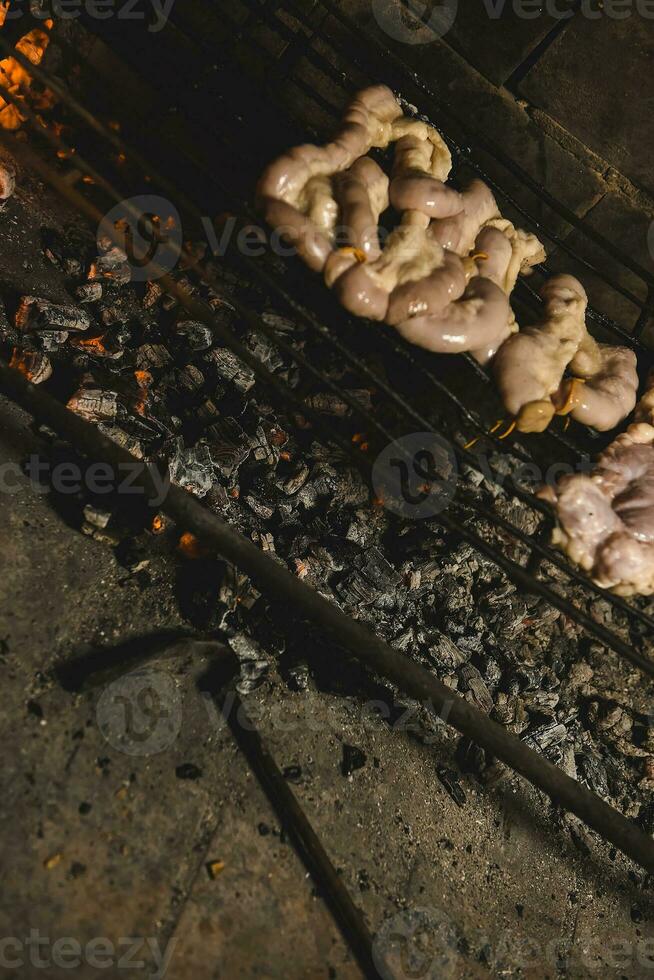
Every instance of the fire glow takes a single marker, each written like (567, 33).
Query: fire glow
(16, 79)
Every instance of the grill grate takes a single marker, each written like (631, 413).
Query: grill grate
(318, 40)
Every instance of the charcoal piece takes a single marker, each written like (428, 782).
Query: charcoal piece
(296, 481)
(353, 758)
(35, 365)
(254, 664)
(378, 571)
(112, 265)
(263, 451)
(328, 404)
(7, 179)
(152, 357)
(445, 653)
(450, 780)
(261, 509)
(230, 446)
(89, 292)
(510, 712)
(542, 737)
(192, 468)
(196, 336)
(228, 366)
(541, 702)
(593, 773)
(40, 314)
(123, 439)
(97, 517)
(153, 293)
(280, 323)
(51, 340)
(208, 411)
(475, 687)
(265, 351)
(292, 773)
(94, 404)
(299, 677)
(189, 379)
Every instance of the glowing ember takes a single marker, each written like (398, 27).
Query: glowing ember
(144, 380)
(16, 79)
(90, 343)
(158, 524)
(34, 365)
(190, 547)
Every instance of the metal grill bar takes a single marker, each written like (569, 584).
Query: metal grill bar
(518, 573)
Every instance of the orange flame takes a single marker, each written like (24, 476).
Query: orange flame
(16, 79)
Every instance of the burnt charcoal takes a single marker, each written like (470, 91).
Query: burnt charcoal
(94, 404)
(189, 379)
(353, 758)
(475, 688)
(541, 702)
(228, 366)
(450, 780)
(196, 336)
(35, 365)
(192, 468)
(295, 481)
(96, 517)
(470, 757)
(299, 677)
(40, 314)
(254, 664)
(261, 509)
(510, 712)
(372, 575)
(123, 439)
(51, 340)
(445, 654)
(542, 737)
(263, 450)
(153, 293)
(265, 351)
(89, 292)
(151, 357)
(230, 446)
(112, 265)
(7, 179)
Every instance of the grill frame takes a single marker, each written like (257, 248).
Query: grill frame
(331, 327)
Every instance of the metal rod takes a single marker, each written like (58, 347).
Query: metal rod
(307, 843)
(281, 585)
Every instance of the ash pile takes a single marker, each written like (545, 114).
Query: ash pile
(127, 357)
